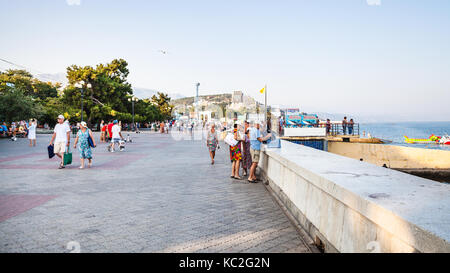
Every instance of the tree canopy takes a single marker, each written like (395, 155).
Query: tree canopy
(23, 80)
(107, 96)
(16, 105)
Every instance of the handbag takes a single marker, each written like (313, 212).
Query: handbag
(67, 157)
(91, 143)
(50, 150)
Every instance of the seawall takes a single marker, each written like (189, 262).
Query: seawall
(354, 206)
(427, 163)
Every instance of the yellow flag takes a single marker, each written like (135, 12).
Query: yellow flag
(262, 90)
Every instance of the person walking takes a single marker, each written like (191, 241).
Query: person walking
(255, 150)
(61, 139)
(108, 130)
(212, 142)
(235, 154)
(85, 148)
(116, 136)
(32, 132)
(246, 156)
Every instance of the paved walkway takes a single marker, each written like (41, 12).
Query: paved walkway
(160, 195)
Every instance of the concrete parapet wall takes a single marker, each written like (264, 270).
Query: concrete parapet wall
(353, 206)
(396, 157)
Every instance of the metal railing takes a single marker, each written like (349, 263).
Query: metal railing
(340, 129)
(337, 129)
(334, 129)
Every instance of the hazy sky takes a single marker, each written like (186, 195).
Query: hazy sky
(347, 56)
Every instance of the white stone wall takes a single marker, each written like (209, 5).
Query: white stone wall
(355, 206)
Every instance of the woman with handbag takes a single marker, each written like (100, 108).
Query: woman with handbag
(212, 142)
(83, 135)
(235, 154)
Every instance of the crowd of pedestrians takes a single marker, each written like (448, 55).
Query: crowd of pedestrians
(244, 150)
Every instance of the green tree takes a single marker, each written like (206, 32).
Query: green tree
(162, 102)
(52, 107)
(110, 89)
(16, 105)
(148, 110)
(24, 81)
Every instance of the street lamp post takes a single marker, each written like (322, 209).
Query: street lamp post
(81, 85)
(196, 101)
(82, 103)
(133, 99)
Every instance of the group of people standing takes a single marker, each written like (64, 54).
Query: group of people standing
(347, 125)
(246, 150)
(21, 128)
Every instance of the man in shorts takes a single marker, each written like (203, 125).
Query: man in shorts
(255, 150)
(61, 138)
(116, 136)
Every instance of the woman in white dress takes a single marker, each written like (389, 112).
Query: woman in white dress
(32, 132)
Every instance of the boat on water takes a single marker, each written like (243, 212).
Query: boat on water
(445, 140)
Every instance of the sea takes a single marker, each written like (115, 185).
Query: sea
(394, 131)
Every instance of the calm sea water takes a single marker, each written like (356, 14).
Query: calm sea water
(396, 130)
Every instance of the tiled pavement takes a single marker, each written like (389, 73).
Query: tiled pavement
(160, 195)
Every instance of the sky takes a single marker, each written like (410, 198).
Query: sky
(386, 58)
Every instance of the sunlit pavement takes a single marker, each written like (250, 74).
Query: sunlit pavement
(159, 195)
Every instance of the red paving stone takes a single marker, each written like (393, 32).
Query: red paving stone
(18, 157)
(13, 205)
(125, 159)
(117, 164)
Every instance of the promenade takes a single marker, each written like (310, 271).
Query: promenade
(159, 195)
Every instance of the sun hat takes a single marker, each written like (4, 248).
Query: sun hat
(83, 123)
(60, 117)
(115, 121)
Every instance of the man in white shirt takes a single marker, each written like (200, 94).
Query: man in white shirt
(116, 136)
(61, 138)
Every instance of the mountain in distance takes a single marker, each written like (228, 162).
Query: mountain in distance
(54, 78)
(145, 93)
(141, 93)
